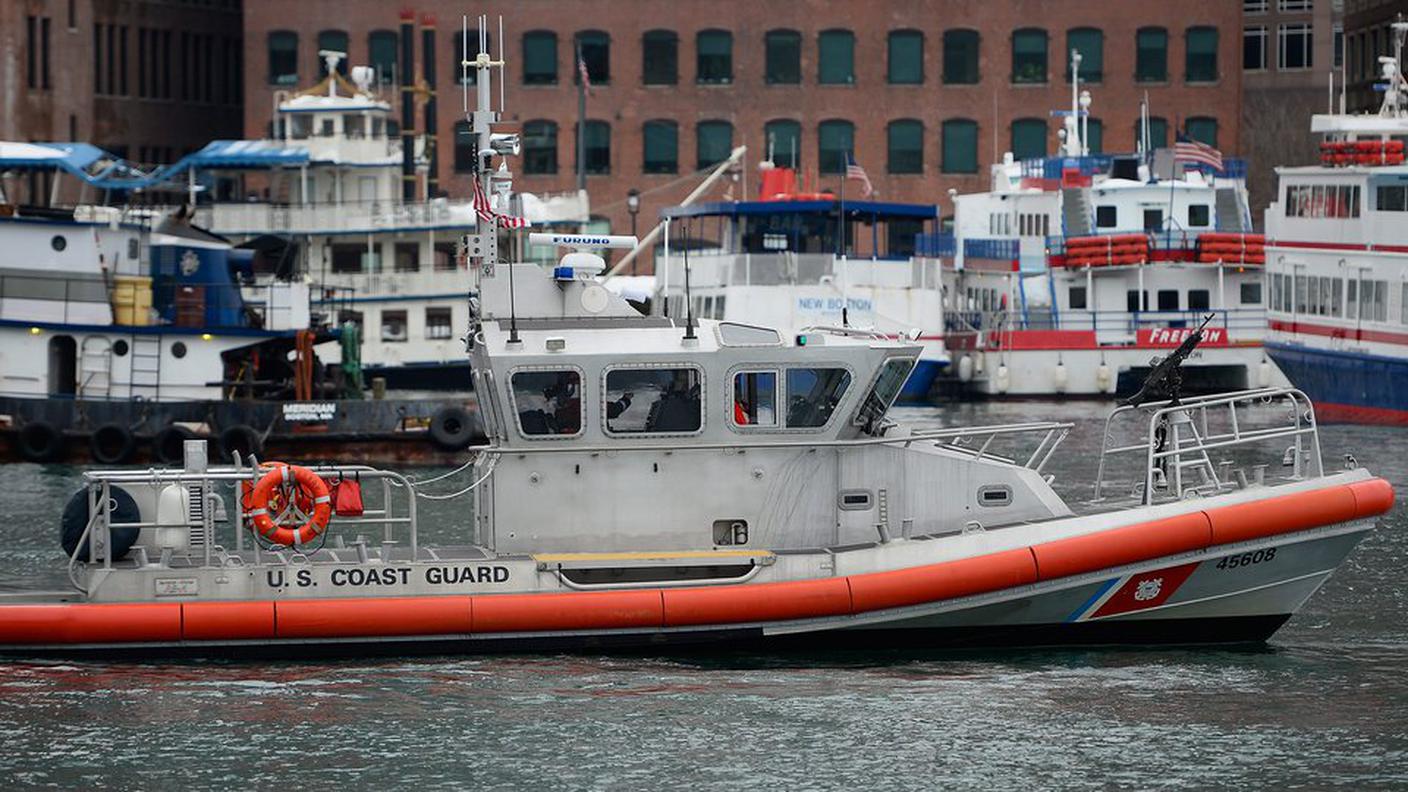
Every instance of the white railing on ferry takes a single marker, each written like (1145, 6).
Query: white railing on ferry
(332, 218)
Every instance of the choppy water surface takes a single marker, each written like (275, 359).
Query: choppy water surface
(1324, 706)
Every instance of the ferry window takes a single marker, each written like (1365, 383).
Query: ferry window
(1076, 301)
(836, 56)
(393, 326)
(407, 257)
(1090, 43)
(714, 140)
(1106, 216)
(812, 395)
(119, 347)
(1028, 138)
(381, 44)
(656, 400)
(906, 146)
(335, 40)
(1300, 292)
(961, 57)
(835, 141)
(900, 236)
(1199, 216)
(1198, 299)
(598, 140)
(784, 142)
(178, 350)
(887, 387)
(1151, 55)
(1153, 219)
(1351, 301)
(1390, 198)
(1293, 46)
(1201, 55)
(1168, 299)
(283, 57)
(1373, 301)
(464, 147)
(960, 140)
(1029, 56)
(354, 125)
(548, 402)
(1203, 130)
(593, 51)
(662, 147)
(713, 57)
(1402, 305)
(445, 256)
(540, 58)
(660, 56)
(1132, 303)
(1251, 294)
(438, 323)
(540, 147)
(906, 57)
(784, 57)
(755, 398)
(1254, 40)
(347, 258)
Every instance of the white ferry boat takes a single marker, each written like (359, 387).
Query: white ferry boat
(1073, 271)
(1337, 261)
(655, 482)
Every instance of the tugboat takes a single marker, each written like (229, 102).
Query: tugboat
(655, 482)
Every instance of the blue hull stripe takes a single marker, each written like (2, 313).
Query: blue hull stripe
(1343, 377)
(1094, 598)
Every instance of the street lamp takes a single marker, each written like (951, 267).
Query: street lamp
(633, 206)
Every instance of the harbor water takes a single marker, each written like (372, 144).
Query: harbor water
(1324, 705)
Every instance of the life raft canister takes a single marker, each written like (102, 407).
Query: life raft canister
(282, 484)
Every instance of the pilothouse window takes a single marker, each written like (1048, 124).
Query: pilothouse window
(887, 387)
(548, 403)
(653, 401)
(812, 395)
(755, 398)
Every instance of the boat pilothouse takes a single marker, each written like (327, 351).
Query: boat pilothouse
(1074, 270)
(657, 481)
(1337, 261)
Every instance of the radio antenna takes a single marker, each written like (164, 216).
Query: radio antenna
(688, 302)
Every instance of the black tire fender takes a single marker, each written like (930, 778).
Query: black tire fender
(112, 444)
(452, 428)
(75, 520)
(168, 446)
(40, 441)
(240, 439)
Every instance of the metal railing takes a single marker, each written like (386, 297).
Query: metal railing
(340, 216)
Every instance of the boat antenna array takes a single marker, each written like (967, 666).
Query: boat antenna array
(688, 301)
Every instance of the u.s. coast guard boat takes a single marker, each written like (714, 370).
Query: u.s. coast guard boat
(657, 481)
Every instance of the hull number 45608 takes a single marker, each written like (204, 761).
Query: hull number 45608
(1247, 559)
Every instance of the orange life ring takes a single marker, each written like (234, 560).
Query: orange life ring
(282, 485)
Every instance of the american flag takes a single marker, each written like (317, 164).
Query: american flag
(855, 171)
(582, 73)
(1188, 150)
(486, 212)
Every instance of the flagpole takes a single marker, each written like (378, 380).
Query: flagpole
(841, 240)
(581, 120)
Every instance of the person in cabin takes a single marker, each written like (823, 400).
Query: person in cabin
(677, 410)
(567, 403)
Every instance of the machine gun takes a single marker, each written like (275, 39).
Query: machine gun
(1165, 381)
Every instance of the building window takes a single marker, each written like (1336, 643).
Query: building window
(835, 141)
(660, 57)
(283, 58)
(1094, 135)
(540, 58)
(1254, 6)
(1254, 48)
(1029, 56)
(598, 147)
(905, 146)
(540, 147)
(836, 57)
(464, 148)
(1151, 55)
(1203, 130)
(438, 324)
(1201, 56)
(381, 44)
(784, 142)
(466, 75)
(960, 143)
(713, 57)
(1028, 138)
(906, 57)
(715, 142)
(662, 147)
(961, 57)
(1294, 46)
(1290, 6)
(336, 41)
(1337, 32)
(1158, 133)
(1090, 43)
(393, 326)
(656, 400)
(784, 57)
(594, 49)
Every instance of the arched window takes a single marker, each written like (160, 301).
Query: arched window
(1151, 55)
(1158, 133)
(1201, 54)
(464, 148)
(1090, 43)
(715, 142)
(540, 147)
(1203, 130)
(906, 57)
(660, 57)
(836, 57)
(381, 45)
(961, 57)
(539, 57)
(960, 146)
(594, 48)
(337, 41)
(834, 141)
(905, 146)
(597, 136)
(782, 142)
(713, 57)
(784, 57)
(662, 147)
(283, 57)
(1029, 55)
(1029, 138)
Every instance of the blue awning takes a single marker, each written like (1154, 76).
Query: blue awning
(238, 155)
(87, 162)
(882, 209)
